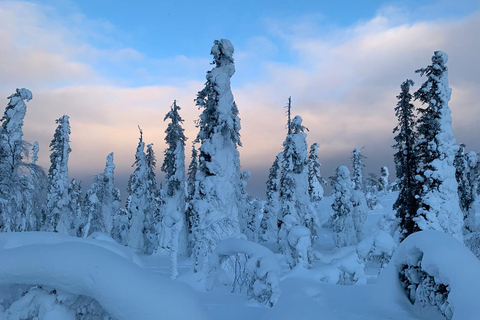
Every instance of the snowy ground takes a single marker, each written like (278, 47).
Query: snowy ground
(134, 288)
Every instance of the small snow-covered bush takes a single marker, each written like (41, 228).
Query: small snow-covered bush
(437, 274)
(256, 267)
(377, 248)
(351, 269)
(299, 247)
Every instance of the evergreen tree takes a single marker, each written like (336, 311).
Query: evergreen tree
(93, 208)
(58, 217)
(315, 180)
(342, 221)
(13, 188)
(466, 187)
(154, 203)
(439, 205)
(174, 190)
(360, 208)
(294, 195)
(140, 203)
(406, 162)
(372, 184)
(76, 207)
(216, 201)
(110, 197)
(190, 217)
(383, 180)
(269, 224)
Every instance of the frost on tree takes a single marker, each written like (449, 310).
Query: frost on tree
(383, 180)
(140, 203)
(315, 180)
(13, 189)
(406, 162)
(154, 201)
(79, 219)
(294, 196)
(190, 215)
(342, 221)
(174, 233)
(465, 165)
(103, 201)
(216, 200)
(360, 209)
(439, 205)
(58, 217)
(269, 223)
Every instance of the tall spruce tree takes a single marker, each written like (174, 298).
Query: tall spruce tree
(216, 203)
(190, 217)
(13, 188)
(315, 180)
(464, 173)
(360, 208)
(406, 162)
(342, 220)
(439, 205)
(174, 190)
(58, 217)
(269, 223)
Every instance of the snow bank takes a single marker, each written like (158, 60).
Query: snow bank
(125, 290)
(261, 265)
(445, 260)
(19, 239)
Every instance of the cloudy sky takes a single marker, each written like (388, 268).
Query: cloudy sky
(112, 65)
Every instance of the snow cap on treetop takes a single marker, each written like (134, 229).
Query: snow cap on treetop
(343, 172)
(23, 93)
(440, 57)
(222, 52)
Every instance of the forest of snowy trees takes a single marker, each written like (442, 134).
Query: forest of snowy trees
(203, 212)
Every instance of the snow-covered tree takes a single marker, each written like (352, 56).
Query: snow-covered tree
(294, 195)
(218, 178)
(154, 202)
(406, 162)
(360, 208)
(383, 182)
(93, 208)
(191, 219)
(439, 204)
(110, 195)
(464, 167)
(342, 221)
(357, 165)
(174, 190)
(79, 219)
(140, 202)
(13, 188)
(315, 180)
(371, 191)
(58, 217)
(269, 223)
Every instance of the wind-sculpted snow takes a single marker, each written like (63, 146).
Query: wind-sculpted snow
(125, 290)
(446, 275)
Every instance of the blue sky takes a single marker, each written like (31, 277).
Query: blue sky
(113, 65)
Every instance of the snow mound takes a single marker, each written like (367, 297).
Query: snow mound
(19, 239)
(448, 272)
(125, 290)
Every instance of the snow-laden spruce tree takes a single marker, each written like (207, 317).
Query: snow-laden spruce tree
(140, 206)
(464, 173)
(294, 196)
(12, 151)
(269, 223)
(315, 180)
(344, 233)
(110, 196)
(406, 162)
(190, 217)
(93, 208)
(57, 216)
(383, 180)
(154, 202)
(360, 208)
(174, 188)
(439, 205)
(76, 207)
(216, 201)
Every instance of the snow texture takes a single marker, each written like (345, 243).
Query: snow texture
(125, 290)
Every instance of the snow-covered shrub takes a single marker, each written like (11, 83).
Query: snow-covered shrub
(42, 302)
(258, 266)
(437, 274)
(299, 247)
(351, 269)
(377, 248)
